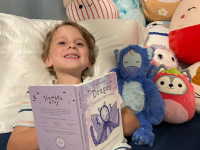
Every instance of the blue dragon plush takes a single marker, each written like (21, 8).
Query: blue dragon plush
(139, 93)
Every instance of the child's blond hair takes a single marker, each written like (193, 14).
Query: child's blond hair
(85, 33)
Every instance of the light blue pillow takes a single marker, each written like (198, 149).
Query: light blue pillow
(131, 9)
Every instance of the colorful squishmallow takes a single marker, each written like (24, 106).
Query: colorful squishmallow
(178, 93)
(131, 9)
(78, 10)
(165, 56)
(184, 36)
(158, 33)
(195, 73)
(157, 10)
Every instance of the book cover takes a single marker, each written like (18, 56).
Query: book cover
(82, 117)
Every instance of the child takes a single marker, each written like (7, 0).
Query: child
(67, 51)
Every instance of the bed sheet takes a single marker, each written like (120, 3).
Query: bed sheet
(184, 136)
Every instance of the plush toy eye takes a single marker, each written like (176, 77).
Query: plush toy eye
(80, 6)
(173, 59)
(160, 56)
(126, 62)
(155, 24)
(180, 85)
(162, 82)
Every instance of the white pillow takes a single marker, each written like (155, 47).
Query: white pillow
(111, 34)
(21, 42)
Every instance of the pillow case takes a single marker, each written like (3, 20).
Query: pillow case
(111, 35)
(21, 42)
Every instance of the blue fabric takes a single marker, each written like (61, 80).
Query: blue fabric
(4, 140)
(168, 136)
(131, 9)
(153, 110)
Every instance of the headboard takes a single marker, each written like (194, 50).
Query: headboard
(35, 9)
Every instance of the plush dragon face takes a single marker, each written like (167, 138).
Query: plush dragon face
(132, 62)
(79, 10)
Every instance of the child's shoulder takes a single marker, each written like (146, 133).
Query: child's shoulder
(50, 82)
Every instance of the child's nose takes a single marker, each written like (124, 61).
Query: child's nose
(72, 45)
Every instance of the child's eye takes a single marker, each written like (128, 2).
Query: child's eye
(61, 43)
(80, 44)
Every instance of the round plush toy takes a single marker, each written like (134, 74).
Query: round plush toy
(77, 10)
(195, 73)
(178, 93)
(185, 30)
(165, 56)
(155, 10)
(131, 9)
(158, 33)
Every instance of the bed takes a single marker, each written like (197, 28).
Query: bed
(39, 16)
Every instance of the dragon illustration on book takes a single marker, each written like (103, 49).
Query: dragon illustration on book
(104, 122)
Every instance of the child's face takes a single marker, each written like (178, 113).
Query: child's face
(68, 51)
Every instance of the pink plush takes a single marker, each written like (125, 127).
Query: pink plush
(165, 56)
(178, 93)
(78, 10)
(195, 73)
(185, 30)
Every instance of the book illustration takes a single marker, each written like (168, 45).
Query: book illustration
(104, 122)
(60, 142)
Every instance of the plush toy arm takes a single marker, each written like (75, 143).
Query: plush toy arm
(119, 80)
(154, 103)
(151, 72)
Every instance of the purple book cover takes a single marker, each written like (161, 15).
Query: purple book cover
(82, 117)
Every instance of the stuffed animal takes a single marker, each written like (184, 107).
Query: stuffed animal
(158, 10)
(185, 30)
(177, 91)
(158, 33)
(165, 56)
(195, 73)
(139, 93)
(77, 10)
(131, 9)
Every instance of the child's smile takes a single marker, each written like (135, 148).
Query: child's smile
(72, 56)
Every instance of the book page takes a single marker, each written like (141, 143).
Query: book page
(56, 117)
(102, 112)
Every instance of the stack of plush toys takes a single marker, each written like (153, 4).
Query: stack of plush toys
(150, 80)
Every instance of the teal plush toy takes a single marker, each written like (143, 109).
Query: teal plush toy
(139, 93)
(131, 9)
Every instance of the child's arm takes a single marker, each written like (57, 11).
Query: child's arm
(23, 138)
(129, 121)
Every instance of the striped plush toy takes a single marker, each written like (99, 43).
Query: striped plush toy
(78, 10)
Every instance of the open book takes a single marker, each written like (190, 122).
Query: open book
(80, 117)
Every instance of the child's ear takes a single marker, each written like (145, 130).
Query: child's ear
(48, 62)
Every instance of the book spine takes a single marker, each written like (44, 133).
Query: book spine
(82, 118)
